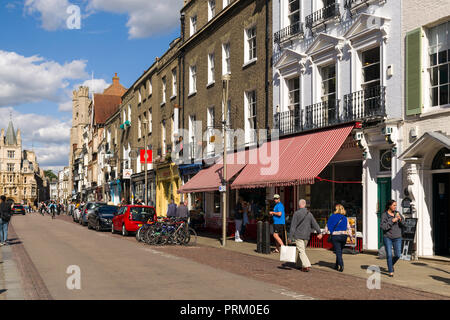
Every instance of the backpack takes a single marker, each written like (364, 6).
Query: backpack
(5, 211)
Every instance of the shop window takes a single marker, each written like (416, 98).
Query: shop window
(442, 160)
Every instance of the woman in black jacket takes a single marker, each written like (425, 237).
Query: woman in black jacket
(391, 222)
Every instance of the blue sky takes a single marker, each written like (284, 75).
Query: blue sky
(42, 61)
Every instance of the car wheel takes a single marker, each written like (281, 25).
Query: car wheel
(89, 226)
(124, 231)
(112, 229)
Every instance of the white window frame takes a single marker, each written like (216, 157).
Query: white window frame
(150, 87)
(174, 83)
(250, 118)
(150, 125)
(211, 69)
(193, 25)
(164, 89)
(226, 59)
(192, 79)
(211, 9)
(129, 113)
(163, 138)
(250, 48)
(210, 127)
(226, 3)
(139, 127)
(139, 95)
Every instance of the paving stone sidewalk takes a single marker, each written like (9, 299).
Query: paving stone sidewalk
(424, 275)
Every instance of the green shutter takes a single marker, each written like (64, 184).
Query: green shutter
(414, 72)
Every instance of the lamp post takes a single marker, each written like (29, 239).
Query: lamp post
(225, 81)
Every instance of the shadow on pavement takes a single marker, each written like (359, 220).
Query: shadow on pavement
(287, 266)
(3, 291)
(382, 269)
(325, 264)
(437, 278)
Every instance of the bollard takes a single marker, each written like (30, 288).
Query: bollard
(266, 238)
(259, 237)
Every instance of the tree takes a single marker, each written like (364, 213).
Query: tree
(50, 174)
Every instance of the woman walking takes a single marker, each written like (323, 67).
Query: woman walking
(391, 222)
(339, 231)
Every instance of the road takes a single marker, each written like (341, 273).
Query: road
(114, 267)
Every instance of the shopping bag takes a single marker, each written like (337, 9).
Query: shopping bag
(287, 253)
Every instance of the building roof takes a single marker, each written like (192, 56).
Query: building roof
(116, 89)
(11, 138)
(105, 106)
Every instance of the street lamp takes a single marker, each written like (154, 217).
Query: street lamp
(225, 81)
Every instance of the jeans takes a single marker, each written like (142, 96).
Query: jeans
(388, 244)
(3, 230)
(339, 244)
(238, 224)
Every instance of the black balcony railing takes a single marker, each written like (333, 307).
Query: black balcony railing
(353, 4)
(366, 103)
(322, 15)
(288, 32)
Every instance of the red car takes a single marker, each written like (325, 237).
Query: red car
(131, 217)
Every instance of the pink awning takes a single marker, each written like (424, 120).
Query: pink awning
(299, 161)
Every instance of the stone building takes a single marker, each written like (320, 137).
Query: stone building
(20, 176)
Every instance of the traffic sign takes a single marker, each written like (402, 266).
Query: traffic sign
(149, 156)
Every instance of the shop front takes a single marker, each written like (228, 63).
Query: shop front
(115, 190)
(167, 184)
(138, 187)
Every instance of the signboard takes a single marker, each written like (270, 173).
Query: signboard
(408, 235)
(149, 156)
(351, 242)
(127, 173)
(222, 188)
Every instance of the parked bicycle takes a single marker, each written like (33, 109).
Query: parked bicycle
(167, 231)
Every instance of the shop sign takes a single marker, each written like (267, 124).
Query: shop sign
(127, 173)
(408, 235)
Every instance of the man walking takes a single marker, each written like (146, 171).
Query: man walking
(279, 222)
(5, 217)
(303, 223)
(182, 211)
(171, 209)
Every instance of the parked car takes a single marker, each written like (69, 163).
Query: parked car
(87, 210)
(18, 209)
(131, 217)
(101, 217)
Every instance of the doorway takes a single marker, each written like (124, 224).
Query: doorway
(384, 195)
(441, 213)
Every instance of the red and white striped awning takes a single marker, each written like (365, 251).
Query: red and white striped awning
(299, 161)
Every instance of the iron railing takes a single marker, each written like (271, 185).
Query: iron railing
(366, 103)
(322, 15)
(289, 31)
(352, 4)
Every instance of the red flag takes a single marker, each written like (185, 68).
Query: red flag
(149, 156)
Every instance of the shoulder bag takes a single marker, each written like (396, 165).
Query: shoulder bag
(331, 233)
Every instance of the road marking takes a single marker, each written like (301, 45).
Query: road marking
(292, 294)
(162, 254)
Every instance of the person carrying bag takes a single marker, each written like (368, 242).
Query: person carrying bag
(5, 215)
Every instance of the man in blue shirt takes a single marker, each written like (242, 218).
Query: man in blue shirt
(278, 222)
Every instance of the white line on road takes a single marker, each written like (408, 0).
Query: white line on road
(292, 294)
(162, 254)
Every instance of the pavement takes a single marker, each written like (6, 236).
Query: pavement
(114, 267)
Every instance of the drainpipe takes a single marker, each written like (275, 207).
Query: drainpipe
(267, 69)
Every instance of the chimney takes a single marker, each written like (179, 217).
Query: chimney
(115, 79)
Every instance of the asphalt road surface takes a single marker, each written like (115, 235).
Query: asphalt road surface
(115, 268)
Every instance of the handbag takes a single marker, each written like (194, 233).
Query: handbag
(331, 233)
(288, 253)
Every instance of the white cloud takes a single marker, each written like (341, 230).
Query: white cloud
(53, 13)
(49, 136)
(145, 17)
(33, 79)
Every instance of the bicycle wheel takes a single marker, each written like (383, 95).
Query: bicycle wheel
(151, 236)
(191, 238)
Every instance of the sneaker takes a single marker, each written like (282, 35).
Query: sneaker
(238, 240)
(1, 244)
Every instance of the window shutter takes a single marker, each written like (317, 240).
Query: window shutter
(414, 72)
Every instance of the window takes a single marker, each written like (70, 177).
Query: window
(193, 79)
(328, 74)
(129, 112)
(163, 137)
(371, 68)
(211, 9)
(210, 128)
(174, 82)
(10, 154)
(164, 90)
(294, 11)
(150, 88)
(150, 121)
(25, 180)
(211, 68)
(226, 3)
(250, 126)
(192, 140)
(139, 127)
(193, 25)
(439, 52)
(139, 95)
(294, 93)
(250, 44)
(10, 167)
(226, 65)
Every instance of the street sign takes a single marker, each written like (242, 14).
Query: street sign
(127, 173)
(222, 188)
(149, 156)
